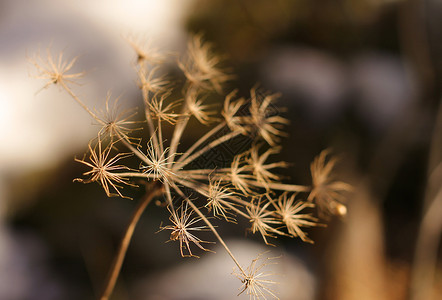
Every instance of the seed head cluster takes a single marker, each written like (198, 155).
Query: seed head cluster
(198, 194)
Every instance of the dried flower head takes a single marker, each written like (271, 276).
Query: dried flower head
(158, 164)
(255, 282)
(262, 219)
(230, 113)
(148, 82)
(183, 224)
(327, 193)
(146, 54)
(201, 68)
(218, 200)
(290, 213)
(261, 169)
(55, 70)
(198, 109)
(115, 122)
(239, 175)
(104, 168)
(267, 124)
(160, 111)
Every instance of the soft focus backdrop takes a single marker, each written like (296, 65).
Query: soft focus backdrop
(360, 77)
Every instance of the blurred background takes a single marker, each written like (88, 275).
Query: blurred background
(360, 77)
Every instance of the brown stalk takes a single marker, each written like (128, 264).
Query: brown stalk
(156, 190)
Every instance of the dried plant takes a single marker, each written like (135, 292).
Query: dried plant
(255, 282)
(327, 193)
(247, 186)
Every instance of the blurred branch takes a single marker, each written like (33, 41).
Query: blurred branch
(430, 231)
(414, 40)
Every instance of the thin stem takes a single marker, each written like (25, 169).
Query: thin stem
(136, 174)
(170, 200)
(201, 140)
(157, 189)
(71, 93)
(211, 145)
(212, 228)
(178, 132)
(136, 151)
(160, 136)
(204, 193)
(149, 117)
(205, 171)
(280, 186)
(182, 123)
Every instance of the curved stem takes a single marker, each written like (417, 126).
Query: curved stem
(118, 261)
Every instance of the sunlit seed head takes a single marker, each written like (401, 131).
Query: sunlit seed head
(104, 169)
(159, 165)
(55, 70)
(327, 193)
(116, 122)
(196, 106)
(267, 123)
(231, 113)
(159, 110)
(257, 283)
(218, 200)
(182, 228)
(294, 218)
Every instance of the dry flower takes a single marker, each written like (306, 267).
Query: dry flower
(261, 170)
(256, 283)
(144, 51)
(201, 68)
(264, 121)
(158, 111)
(327, 193)
(182, 228)
(198, 109)
(218, 200)
(116, 123)
(55, 70)
(240, 186)
(289, 211)
(149, 83)
(104, 168)
(262, 219)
